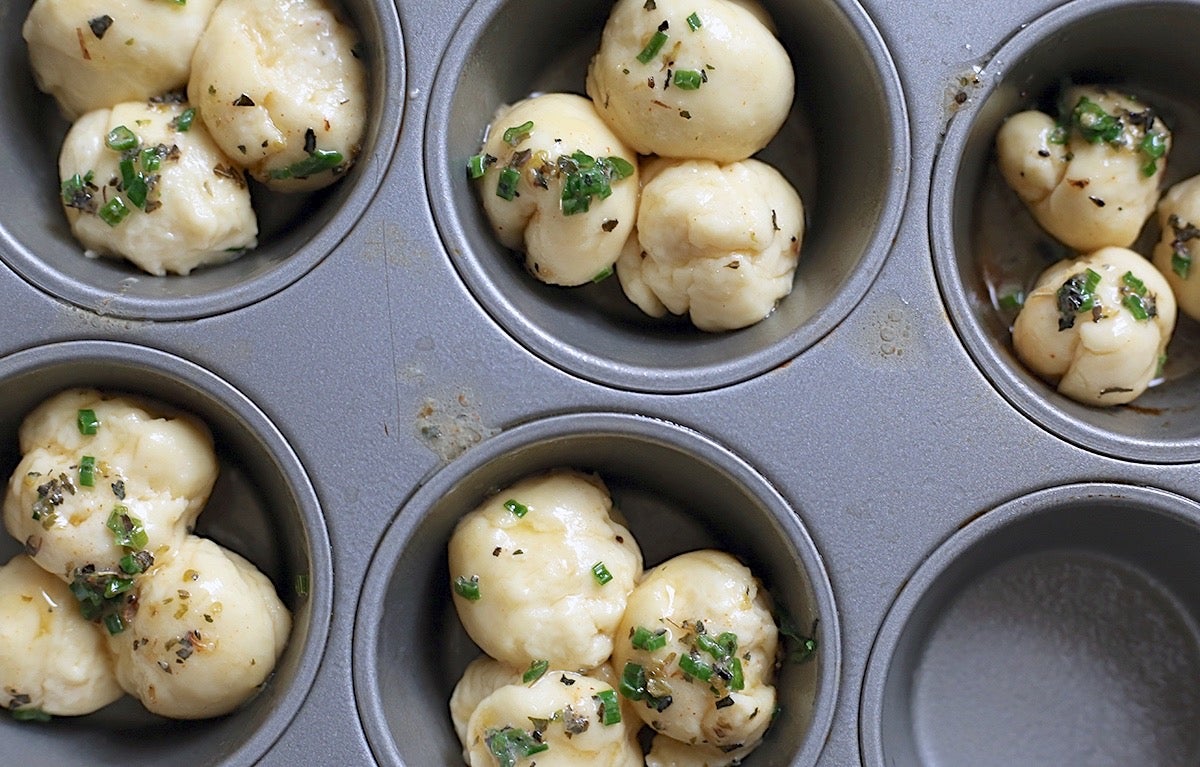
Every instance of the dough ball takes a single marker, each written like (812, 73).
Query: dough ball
(717, 242)
(152, 465)
(700, 614)
(1177, 250)
(1097, 326)
(718, 87)
(557, 172)
(92, 54)
(51, 658)
(530, 571)
(482, 677)
(194, 207)
(282, 90)
(206, 633)
(1093, 182)
(566, 710)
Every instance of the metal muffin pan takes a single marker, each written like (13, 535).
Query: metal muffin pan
(379, 361)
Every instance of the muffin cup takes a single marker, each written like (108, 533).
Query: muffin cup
(1060, 628)
(848, 158)
(262, 507)
(985, 242)
(295, 231)
(678, 491)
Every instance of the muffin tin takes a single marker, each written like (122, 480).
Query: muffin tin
(997, 575)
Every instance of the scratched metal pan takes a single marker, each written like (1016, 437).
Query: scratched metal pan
(295, 231)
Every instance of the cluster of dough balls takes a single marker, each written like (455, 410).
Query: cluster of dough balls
(114, 593)
(580, 644)
(1097, 325)
(174, 103)
(700, 229)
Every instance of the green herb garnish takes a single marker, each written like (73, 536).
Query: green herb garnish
(536, 670)
(517, 508)
(29, 714)
(478, 164)
(1136, 298)
(518, 133)
(183, 121)
(603, 274)
(588, 177)
(121, 139)
(318, 160)
(467, 588)
(506, 185)
(601, 573)
(635, 685)
(608, 708)
(1153, 145)
(127, 530)
(645, 639)
(1078, 294)
(113, 212)
(1095, 125)
(657, 40)
(87, 420)
(693, 22)
(1181, 254)
(689, 79)
(694, 666)
(508, 744)
(87, 471)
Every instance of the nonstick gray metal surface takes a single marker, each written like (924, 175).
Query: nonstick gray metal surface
(378, 350)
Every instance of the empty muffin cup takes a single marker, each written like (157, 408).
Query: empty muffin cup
(262, 507)
(295, 231)
(678, 491)
(847, 157)
(1060, 628)
(988, 249)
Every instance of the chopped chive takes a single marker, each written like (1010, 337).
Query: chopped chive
(633, 681)
(183, 122)
(517, 508)
(478, 164)
(608, 707)
(121, 139)
(645, 639)
(1153, 146)
(150, 159)
(737, 680)
(1094, 124)
(506, 185)
(318, 160)
(692, 665)
(467, 588)
(1136, 306)
(518, 133)
(1135, 285)
(508, 745)
(535, 672)
(29, 714)
(87, 471)
(653, 47)
(622, 168)
(302, 584)
(113, 212)
(601, 573)
(603, 274)
(88, 423)
(114, 624)
(1014, 299)
(693, 22)
(127, 530)
(688, 79)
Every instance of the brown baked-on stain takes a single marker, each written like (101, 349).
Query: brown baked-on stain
(1142, 409)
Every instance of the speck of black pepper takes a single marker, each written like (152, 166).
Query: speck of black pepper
(310, 141)
(566, 680)
(1043, 153)
(1099, 203)
(100, 25)
(243, 101)
(242, 148)
(496, 552)
(609, 225)
(664, 26)
(685, 114)
(650, 5)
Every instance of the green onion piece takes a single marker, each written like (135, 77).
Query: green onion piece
(508, 744)
(693, 22)
(518, 133)
(1181, 262)
(113, 212)
(151, 159)
(1153, 146)
(1094, 124)
(1162, 364)
(121, 139)
(1135, 285)
(633, 681)
(303, 586)
(1136, 306)
(608, 707)
(29, 714)
(737, 680)
(87, 471)
(137, 190)
(130, 564)
(688, 79)
(1012, 300)
(127, 530)
(601, 573)
(603, 274)
(114, 587)
(536, 670)
(517, 508)
(467, 588)
(183, 123)
(723, 646)
(478, 164)
(74, 189)
(1058, 135)
(87, 420)
(318, 160)
(622, 168)
(653, 47)
(506, 185)
(692, 665)
(1077, 294)
(645, 639)
(114, 624)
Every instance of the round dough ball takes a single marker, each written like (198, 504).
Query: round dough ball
(156, 464)
(281, 89)
(1087, 340)
(565, 241)
(482, 677)
(1095, 182)
(707, 609)
(51, 659)
(196, 210)
(206, 634)
(717, 242)
(1177, 250)
(92, 54)
(538, 598)
(573, 733)
(719, 87)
